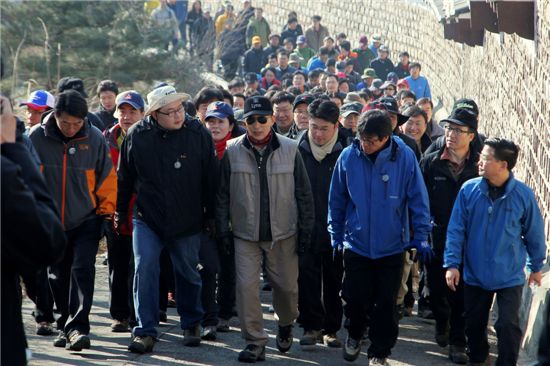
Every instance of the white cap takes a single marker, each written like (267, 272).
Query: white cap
(162, 96)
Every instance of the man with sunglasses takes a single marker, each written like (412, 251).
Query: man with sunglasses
(265, 199)
(444, 171)
(168, 159)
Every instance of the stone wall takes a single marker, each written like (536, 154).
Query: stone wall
(509, 77)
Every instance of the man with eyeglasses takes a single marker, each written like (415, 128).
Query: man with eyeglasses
(168, 159)
(376, 186)
(79, 173)
(265, 199)
(444, 171)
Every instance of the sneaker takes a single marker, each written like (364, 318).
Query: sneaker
(332, 340)
(141, 344)
(44, 329)
(378, 361)
(163, 318)
(311, 337)
(284, 338)
(77, 341)
(252, 353)
(119, 326)
(351, 349)
(171, 300)
(208, 333)
(223, 326)
(442, 335)
(192, 337)
(458, 354)
(60, 340)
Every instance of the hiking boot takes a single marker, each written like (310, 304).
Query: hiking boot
(442, 335)
(252, 353)
(310, 338)
(351, 349)
(60, 340)
(208, 333)
(223, 326)
(192, 337)
(378, 361)
(141, 344)
(119, 326)
(284, 338)
(77, 341)
(458, 354)
(44, 329)
(332, 340)
(163, 318)
(171, 300)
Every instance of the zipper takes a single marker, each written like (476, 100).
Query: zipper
(63, 184)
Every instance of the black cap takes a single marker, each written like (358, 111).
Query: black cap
(467, 104)
(302, 98)
(250, 77)
(257, 105)
(71, 82)
(463, 117)
(390, 105)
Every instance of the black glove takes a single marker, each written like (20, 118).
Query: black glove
(304, 242)
(225, 244)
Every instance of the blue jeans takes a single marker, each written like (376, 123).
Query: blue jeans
(184, 253)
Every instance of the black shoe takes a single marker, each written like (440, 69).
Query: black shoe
(163, 318)
(208, 333)
(284, 338)
(266, 286)
(442, 335)
(60, 340)
(77, 341)
(458, 354)
(252, 353)
(351, 349)
(44, 329)
(119, 326)
(141, 344)
(192, 337)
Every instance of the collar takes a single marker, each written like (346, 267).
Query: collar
(509, 185)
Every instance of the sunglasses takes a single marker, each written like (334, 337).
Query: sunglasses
(252, 120)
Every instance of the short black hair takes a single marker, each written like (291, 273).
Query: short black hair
(208, 95)
(226, 95)
(505, 150)
(324, 51)
(107, 85)
(239, 95)
(343, 81)
(282, 52)
(314, 74)
(338, 95)
(423, 101)
(404, 93)
(293, 90)
(331, 75)
(345, 45)
(281, 97)
(415, 64)
(190, 108)
(414, 111)
(374, 123)
(266, 69)
(404, 53)
(300, 72)
(71, 102)
(236, 83)
(324, 109)
(292, 20)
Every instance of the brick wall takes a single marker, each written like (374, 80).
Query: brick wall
(509, 77)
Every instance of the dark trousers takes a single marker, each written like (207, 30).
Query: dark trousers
(121, 275)
(209, 268)
(544, 343)
(477, 304)
(72, 279)
(226, 295)
(167, 281)
(447, 306)
(319, 285)
(372, 284)
(38, 290)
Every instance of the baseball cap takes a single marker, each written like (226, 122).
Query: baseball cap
(463, 117)
(388, 104)
(383, 48)
(301, 40)
(256, 40)
(403, 82)
(219, 110)
(302, 99)
(294, 57)
(130, 97)
(39, 99)
(349, 108)
(386, 84)
(376, 38)
(467, 103)
(71, 82)
(257, 105)
(250, 77)
(369, 73)
(159, 97)
(376, 85)
(392, 76)
(363, 40)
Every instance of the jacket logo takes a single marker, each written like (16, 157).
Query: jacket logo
(440, 178)
(84, 147)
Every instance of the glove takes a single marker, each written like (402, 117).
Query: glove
(424, 250)
(225, 244)
(304, 241)
(120, 225)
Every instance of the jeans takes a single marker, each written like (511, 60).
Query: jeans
(210, 267)
(184, 252)
(477, 304)
(72, 279)
(370, 287)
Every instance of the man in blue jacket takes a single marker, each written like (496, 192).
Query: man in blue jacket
(495, 224)
(375, 184)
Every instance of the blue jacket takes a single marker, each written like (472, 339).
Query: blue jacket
(492, 239)
(420, 87)
(369, 203)
(315, 63)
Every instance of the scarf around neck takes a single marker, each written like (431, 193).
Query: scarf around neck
(320, 152)
(220, 145)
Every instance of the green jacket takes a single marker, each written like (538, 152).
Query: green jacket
(306, 53)
(257, 28)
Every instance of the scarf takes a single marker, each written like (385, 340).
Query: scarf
(319, 152)
(262, 142)
(220, 145)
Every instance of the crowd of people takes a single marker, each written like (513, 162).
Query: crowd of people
(320, 169)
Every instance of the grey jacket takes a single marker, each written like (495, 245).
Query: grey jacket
(241, 204)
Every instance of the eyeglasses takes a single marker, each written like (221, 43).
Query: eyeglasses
(302, 112)
(455, 130)
(369, 142)
(252, 120)
(173, 113)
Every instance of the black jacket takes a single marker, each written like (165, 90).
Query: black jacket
(401, 71)
(253, 60)
(320, 176)
(32, 237)
(409, 141)
(173, 174)
(382, 67)
(443, 189)
(106, 118)
(268, 50)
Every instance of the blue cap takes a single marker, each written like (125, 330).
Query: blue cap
(40, 99)
(219, 110)
(132, 98)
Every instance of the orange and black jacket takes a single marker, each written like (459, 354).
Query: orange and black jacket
(78, 172)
